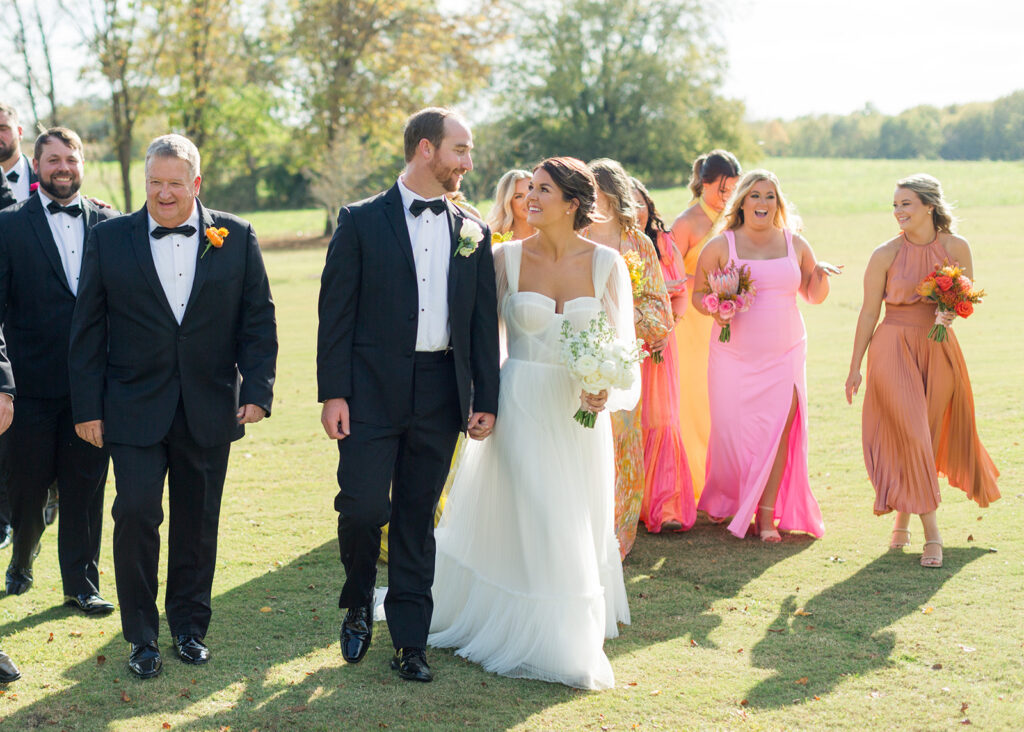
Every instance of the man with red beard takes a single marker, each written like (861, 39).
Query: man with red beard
(407, 357)
(41, 246)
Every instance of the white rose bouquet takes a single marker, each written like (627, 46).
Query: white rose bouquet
(599, 361)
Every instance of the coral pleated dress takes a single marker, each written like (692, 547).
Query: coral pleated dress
(918, 418)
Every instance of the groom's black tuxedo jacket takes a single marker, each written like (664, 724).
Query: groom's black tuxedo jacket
(6, 194)
(36, 302)
(369, 313)
(131, 362)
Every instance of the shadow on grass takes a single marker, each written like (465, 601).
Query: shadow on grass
(674, 580)
(276, 666)
(841, 631)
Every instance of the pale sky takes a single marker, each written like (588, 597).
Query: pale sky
(793, 57)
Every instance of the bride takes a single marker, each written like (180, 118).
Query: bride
(528, 580)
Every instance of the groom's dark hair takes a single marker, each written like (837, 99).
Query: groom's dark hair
(427, 124)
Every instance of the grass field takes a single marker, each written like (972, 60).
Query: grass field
(837, 633)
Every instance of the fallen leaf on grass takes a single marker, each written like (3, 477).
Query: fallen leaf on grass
(655, 692)
(965, 721)
(631, 683)
(693, 643)
(776, 630)
(802, 681)
(800, 611)
(124, 697)
(739, 650)
(964, 706)
(50, 639)
(970, 537)
(937, 667)
(185, 693)
(966, 649)
(165, 725)
(266, 609)
(744, 702)
(809, 627)
(298, 708)
(836, 559)
(817, 698)
(100, 660)
(928, 610)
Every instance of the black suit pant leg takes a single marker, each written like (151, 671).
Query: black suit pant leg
(43, 447)
(424, 459)
(195, 477)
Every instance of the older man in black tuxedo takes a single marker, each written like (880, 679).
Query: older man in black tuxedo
(41, 249)
(407, 356)
(174, 348)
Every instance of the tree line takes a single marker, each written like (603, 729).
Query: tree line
(299, 102)
(978, 131)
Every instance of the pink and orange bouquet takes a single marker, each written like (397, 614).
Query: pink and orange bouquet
(728, 291)
(952, 291)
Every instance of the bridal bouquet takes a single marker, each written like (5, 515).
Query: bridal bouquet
(728, 291)
(639, 279)
(598, 360)
(952, 291)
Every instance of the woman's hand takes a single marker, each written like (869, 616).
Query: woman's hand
(945, 317)
(824, 269)
(594, 402)
(852, 385)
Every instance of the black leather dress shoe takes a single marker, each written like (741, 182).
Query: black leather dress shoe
(191, 649)
(18, 580)
(50, 511)
(144, 660)
(89, 604)
(411, 664)
(356, 632)
(8, 671)
(6, 534)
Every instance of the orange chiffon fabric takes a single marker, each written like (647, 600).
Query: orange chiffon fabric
(693, 339)
(668, 488)
(918, 420)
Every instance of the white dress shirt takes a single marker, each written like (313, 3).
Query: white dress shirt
(175, 259)
(69, 236)
(432, 252)
(20, 188)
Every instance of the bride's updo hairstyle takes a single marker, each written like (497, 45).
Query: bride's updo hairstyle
(576, 182)
(929, 190)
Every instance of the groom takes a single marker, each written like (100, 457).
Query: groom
(173, 351)
(407, 356)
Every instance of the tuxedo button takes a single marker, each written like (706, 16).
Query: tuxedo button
(412, 316)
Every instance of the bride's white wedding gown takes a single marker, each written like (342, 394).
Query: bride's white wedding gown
(528, 580)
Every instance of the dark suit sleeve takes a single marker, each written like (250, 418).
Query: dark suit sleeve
(87, 354)
(6, 373)
(339, 294)
(484, 333)
(257, 336)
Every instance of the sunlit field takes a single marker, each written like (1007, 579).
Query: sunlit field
(727, 634)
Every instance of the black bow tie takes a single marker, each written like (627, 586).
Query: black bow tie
(419, 206)
(161, 231)
(55, 208)
(13, 176)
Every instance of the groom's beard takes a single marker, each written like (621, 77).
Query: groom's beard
(449, 178)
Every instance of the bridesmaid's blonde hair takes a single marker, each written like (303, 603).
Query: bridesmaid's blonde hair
(500, 218)
(785, 213)
(929, 190)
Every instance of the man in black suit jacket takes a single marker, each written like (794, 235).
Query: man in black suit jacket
(173, 348)
(407, 356)
(8, 671)
(41, 250)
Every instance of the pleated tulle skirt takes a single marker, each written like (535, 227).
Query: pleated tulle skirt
(528, 580)
(918, 420)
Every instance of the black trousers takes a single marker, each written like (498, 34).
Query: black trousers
(42, 447)
(411, 461)
(195, 482)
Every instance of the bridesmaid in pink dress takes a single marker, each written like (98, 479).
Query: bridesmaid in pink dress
(668, 503)
(757, 453)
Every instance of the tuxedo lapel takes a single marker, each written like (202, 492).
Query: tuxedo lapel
(36, 215)
(454, 226)
(203, 263)
(394, 211)
(144, 255)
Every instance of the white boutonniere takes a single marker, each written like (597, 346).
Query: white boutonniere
(470, 236)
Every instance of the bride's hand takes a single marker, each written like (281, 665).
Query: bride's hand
(594, 402)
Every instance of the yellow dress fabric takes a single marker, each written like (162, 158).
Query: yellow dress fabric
(440, 504)
(656, 320)
(693, 341)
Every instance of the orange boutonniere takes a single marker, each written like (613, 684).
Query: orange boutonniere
(214, 238)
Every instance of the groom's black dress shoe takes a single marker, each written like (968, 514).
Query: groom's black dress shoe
(144, 660)
(89, 604)
(191, 649)
(411, 664)
(18, 580)
(356, 632)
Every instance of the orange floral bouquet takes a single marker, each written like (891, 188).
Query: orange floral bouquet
(639, 280)
(952, 292)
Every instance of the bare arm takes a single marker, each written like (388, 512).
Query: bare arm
(814, 284)
(714, 255)
(874, 293)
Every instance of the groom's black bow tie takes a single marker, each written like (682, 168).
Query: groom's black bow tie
(161, 231)
(55, 208)
(419, 206)
(13, 176)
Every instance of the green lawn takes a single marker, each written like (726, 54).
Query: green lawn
(726, 634)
